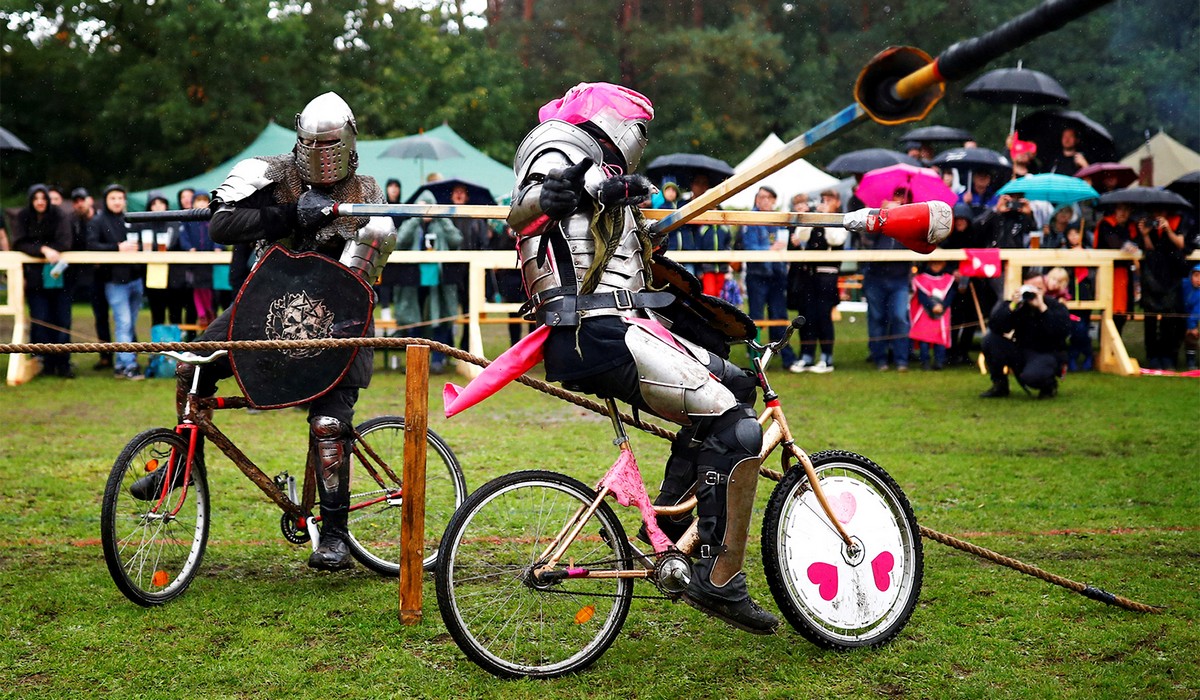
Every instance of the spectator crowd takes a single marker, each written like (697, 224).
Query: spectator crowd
(927, 314)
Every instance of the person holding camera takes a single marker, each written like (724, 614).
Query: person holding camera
(1039, 326)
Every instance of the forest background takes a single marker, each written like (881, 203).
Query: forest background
(152, 91)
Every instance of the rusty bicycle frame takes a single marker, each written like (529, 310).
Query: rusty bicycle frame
(197, 420)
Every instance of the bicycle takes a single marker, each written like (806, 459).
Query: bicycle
(841, 552)
(153, 548)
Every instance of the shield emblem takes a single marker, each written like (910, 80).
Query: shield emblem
(296, 296)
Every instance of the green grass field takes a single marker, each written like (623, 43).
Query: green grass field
(1100, 485)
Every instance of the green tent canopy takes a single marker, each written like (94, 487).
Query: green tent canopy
(473, 166)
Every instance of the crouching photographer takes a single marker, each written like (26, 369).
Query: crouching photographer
(1028, 335)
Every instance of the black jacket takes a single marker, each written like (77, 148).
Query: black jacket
(1037, 331)
(30, 233)
(106, 230)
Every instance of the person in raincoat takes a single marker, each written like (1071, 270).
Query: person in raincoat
(430, 302)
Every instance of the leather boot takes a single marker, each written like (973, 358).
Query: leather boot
(718, 585)
(149, 487)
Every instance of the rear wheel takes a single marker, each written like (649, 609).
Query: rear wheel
(375, 529)
(504, 617)
(153, 549)
(836, 596)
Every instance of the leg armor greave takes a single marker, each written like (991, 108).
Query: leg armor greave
(728, 480)
(329, 447)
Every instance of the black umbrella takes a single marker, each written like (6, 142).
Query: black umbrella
(1045, 129)
(8, 141)
(441, 189)
(973, 159)
(682, 167)
(859, 162)
(1188, 187)
(1018, 86)
(938, 133)
(1147, 197)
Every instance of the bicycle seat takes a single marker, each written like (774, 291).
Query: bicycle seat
(192, 358)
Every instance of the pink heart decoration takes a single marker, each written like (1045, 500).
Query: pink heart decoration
(990, 270)
(843, 506)
(881, 566)
(826, 578)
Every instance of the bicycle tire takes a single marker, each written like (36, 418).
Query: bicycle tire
(375, 530)
(509, 625)
(153, 557)
(834, 600)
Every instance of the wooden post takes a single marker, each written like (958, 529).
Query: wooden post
(412, 510)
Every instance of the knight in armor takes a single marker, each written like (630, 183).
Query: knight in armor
(584, 252)
(287, 200)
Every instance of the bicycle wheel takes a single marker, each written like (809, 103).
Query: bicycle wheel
(375, 529)
(502, 619)
(152, 553)
(836, 598)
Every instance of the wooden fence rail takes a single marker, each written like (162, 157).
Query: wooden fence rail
(1112, 357)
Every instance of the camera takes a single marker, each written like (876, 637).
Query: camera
(1028, 292)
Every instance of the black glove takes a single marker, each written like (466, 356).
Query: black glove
(314, 210)
(562, 190)
(625, 190)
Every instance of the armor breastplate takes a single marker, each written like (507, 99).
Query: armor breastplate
(569, 255)
(566, 249)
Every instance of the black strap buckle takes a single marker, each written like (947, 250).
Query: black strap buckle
(623, 303)
(713, 478)
(708, 551)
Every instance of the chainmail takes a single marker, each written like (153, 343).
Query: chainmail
(283, 172)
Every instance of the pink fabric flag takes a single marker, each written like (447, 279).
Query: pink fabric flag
(925, 328)
(511, 364)
(981, 262)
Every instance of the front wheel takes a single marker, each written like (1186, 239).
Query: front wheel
(836, 596)
(503, 616)
(153, 549)
(374, 524)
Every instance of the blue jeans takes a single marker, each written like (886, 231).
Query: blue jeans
(125, 300)
(770, 291)
(887, 318)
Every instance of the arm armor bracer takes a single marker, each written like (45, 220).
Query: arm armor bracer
(369, 251)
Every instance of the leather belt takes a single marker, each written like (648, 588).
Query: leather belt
(564, 310)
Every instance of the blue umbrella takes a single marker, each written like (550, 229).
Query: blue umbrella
(1050, 187)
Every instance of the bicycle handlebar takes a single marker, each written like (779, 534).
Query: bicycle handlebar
(770, 349)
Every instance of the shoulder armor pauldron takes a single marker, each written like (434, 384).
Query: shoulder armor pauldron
(246, 178)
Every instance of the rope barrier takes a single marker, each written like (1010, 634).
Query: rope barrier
(570, 397)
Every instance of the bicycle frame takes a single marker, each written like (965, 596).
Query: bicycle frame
(197, 421)
(624, 482)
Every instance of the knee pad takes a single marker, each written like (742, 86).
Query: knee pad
(736, 433)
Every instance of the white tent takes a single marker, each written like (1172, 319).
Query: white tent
(1168, 159)
(799, 176)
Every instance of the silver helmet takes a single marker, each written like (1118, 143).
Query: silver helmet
(629, 135)
(326, 136)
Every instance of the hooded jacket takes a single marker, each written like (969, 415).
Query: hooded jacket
(31, 231)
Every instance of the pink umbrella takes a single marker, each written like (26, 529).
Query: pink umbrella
(925, 184)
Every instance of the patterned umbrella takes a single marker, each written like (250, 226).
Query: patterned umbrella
(925, 184)
(973, 159)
